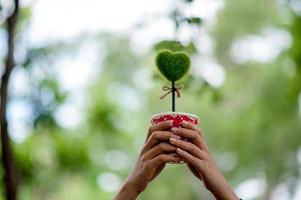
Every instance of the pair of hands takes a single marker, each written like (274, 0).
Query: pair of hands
(163, 146)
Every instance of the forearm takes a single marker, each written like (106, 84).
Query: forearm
(224, 193)
(126, 193)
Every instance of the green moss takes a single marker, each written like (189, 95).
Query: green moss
(172, 65)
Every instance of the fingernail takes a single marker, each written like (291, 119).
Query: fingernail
(179, 150)
(174, 129)
(173, 140)
(169, 123)
(185, 123)
(175, 136)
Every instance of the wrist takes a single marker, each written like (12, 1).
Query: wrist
(224, 192)
(127, 192)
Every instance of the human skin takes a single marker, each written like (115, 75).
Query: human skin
(195, 153)
(156, 153)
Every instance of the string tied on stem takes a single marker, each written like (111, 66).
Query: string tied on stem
(170, 89)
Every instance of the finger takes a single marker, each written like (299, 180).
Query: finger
(190, 159)
(159, 149)
(164, 158)
(192, 126)
(156, 137)
(191, 134)
(161, 126)
(189, 147)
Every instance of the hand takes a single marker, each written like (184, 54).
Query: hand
(156, 152)
(196, 154)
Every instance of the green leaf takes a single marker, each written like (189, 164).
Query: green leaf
(174, 45)
(172, 65)
(171, 45)
(194, 21)
(191, 48)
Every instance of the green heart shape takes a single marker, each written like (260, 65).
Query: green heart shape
(173, 65)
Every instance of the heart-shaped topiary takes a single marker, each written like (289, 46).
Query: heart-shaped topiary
(173, 65)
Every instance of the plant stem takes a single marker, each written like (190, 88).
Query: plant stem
(173, 96)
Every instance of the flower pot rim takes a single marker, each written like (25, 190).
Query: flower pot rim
(172, 113)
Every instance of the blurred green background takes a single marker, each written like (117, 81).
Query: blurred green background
(85, 86)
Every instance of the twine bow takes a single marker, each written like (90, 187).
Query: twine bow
(170, 89)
